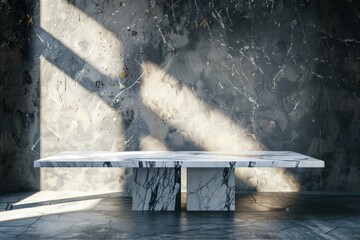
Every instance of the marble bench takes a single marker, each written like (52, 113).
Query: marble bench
(157, 178)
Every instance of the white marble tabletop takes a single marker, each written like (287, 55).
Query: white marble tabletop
(190, 159)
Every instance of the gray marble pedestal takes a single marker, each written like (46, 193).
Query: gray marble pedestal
(156, 189)
(210, 189)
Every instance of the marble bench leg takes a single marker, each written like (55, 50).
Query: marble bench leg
(156, 189)
(210, 189)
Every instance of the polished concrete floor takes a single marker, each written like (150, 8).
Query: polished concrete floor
(79, 215)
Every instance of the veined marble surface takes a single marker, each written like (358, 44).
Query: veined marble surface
(210, 189)
(191, 159)
(156, 189)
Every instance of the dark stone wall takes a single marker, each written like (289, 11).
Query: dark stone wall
(19, 99)
(338, 92)
(286, 72)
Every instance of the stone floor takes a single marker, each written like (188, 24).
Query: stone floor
(76, 215)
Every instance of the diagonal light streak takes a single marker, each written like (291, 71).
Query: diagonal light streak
(177, 104)
(83, 35)
(174, 103)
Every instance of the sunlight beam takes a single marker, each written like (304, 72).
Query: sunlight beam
(83, 35)
(209, 129)
(50, 209)
(177, 104)
(73, 118)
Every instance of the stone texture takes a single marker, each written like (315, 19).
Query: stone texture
(19, 97)
(182, 75)
(178, 159)
(210, 189)
(55, 215)
(156, 189)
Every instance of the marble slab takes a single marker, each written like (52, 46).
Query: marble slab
(156, 189)
(191, 159)
(210, 189)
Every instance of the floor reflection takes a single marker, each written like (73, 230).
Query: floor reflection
(257, 216)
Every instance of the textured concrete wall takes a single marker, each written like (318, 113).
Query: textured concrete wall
(19, 97)
(184, 75)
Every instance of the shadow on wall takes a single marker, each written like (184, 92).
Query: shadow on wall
(260, 70)
(227, 76)
(151, 122)
(19, 98)
(187, 91)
